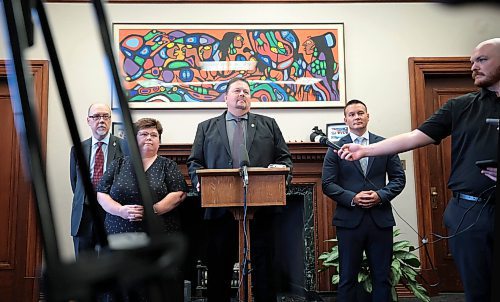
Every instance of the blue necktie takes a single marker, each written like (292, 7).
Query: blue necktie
(362, 161)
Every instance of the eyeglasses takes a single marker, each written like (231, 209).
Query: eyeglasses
(146, 134)
(97, 117)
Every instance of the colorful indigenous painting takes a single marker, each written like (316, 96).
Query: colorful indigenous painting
(188, 66)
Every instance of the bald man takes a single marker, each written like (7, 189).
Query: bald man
(469, 215)
(82, 224)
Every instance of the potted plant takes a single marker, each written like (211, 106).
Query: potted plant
(403, 268)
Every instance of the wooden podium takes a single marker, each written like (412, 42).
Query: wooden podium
(224, 188)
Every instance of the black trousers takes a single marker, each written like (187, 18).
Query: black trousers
(85, 240)
(472, 247)
(377, 244)
(223, 253)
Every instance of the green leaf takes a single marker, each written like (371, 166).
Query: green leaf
(411, 260)
(332, 256)
(419, 292)
(396, 264)
(407, 258)
(410, 273)
(400, 245)
(394, 294)
(362, 277)
(335, 279)
(395, 276)
(367, 285)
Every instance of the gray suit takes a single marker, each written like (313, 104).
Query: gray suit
(81, 221)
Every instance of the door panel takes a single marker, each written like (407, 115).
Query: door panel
(20, 248)
(8, 198)
(433, 81)
(439, 169)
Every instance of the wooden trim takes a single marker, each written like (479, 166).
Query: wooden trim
(419, 68)
(34, 261)
(301, 152)
(240, 1)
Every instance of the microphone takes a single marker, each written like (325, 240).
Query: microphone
(244, 163)
(325, 142)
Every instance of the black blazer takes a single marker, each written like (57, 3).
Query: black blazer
(211, 149)
(116, 148)
(343, 179)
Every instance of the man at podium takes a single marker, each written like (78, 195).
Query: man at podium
(221, 143)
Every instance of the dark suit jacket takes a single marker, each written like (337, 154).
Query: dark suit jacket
(265, 145)
(116, 149)
(343, 179)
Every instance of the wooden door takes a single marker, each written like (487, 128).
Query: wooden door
(20, 248)
(433, 82)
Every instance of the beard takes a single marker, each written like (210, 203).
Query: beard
(487, 81)
(241, 104)
(102, 131)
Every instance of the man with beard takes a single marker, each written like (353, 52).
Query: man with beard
(469, 215)
(217, 145)
(100, 150)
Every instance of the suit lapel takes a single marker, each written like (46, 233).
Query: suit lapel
(251, 130)
(87, 149)
(221, 126)
(372, 140)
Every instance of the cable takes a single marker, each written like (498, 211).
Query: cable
(422, 239)
(244, 265)
(425, 241)
(465, 213)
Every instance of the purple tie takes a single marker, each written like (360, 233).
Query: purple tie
(98, 164)
(237, 142)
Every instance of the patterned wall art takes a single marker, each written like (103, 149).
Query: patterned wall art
(188, 65)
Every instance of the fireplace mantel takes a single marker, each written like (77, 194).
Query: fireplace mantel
(307, 165)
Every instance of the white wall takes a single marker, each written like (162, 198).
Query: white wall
(379, 39)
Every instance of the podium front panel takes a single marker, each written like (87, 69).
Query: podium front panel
(226, 189)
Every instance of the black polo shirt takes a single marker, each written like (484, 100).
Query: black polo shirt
(464, 118)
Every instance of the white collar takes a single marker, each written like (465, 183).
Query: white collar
(366, 135)
(105, 140)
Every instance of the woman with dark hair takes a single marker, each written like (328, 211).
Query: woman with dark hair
(323, 66)
(119, 196)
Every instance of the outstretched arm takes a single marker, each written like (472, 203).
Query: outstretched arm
(394, 145)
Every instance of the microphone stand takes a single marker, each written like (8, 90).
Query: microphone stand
(244, 268)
